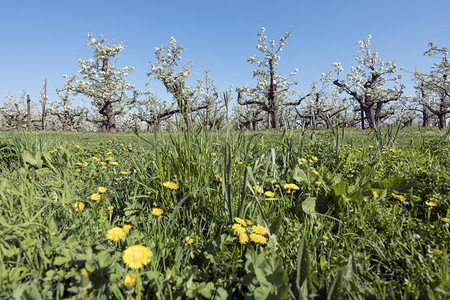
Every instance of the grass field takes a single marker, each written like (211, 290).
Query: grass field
(226, 215)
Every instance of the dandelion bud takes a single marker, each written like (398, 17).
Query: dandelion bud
(129, 281)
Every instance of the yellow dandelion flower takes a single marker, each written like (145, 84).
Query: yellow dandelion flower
(104, 167)
(445, 220)
(430, 204)
(314, 158)
(315, 172)
(324, 238)
(79, 206)
(269, 194)
(240, 163)
(109, 158)
(111, 207)
(213, 154)
(277, 186)
(129, 281)
(218, 179)
(243, 238)
(399, 197)
(249, 222)
(240, 221)
(126, 227)
(188, 240)
(84, 272)
(344, 166)
(115, 234)
(79, 164)
(123, 173)
(84, 279)
(103, 163)
(342, 245)
(258, 229)
(291, 186)
(257, 238)
(302, 160)
(370, 147)
(95, 158)
(77, 146)
(95, 197)
(317, 183)
(149, 193)
(170, 185)
(101, 189)
(114, 163)
(137, 256)
(85, 164)
(258, 189)
(238, 228)
(437, 252)
(284, 167)
(375, 194)
(78, 170)
(318, 223)
(157, 212)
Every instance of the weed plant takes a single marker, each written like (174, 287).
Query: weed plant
(271, 215)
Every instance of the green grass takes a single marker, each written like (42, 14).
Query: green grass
(346, 232)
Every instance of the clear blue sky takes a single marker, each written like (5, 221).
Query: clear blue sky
(41, 39)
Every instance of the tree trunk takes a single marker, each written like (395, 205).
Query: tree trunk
(370, 117)
(275, 120)
(64, 125)
(43, 104)
(28, 112)
(19, 123)
(377, 115)
(362, 117)
(425, 117)
(442, 121)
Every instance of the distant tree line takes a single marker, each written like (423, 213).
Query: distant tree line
(370, 95)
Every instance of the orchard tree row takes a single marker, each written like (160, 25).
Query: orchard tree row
(370, 94)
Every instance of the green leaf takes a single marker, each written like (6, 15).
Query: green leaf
(299, 175)
(303, 267)
(221, 294)
(60, 260)
(340, 188)
(323, 263)
(309, 205)
(206, 289)
(34, 160)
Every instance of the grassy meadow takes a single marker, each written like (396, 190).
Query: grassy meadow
(304, 214)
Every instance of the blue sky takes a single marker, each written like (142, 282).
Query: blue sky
(41, 39)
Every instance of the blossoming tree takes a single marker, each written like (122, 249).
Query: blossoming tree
(272, 90)
(434, 86)
(372, 83)
(63, 109)
(167, 70)
(322, 106)
(104, 83)
(16, 109)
